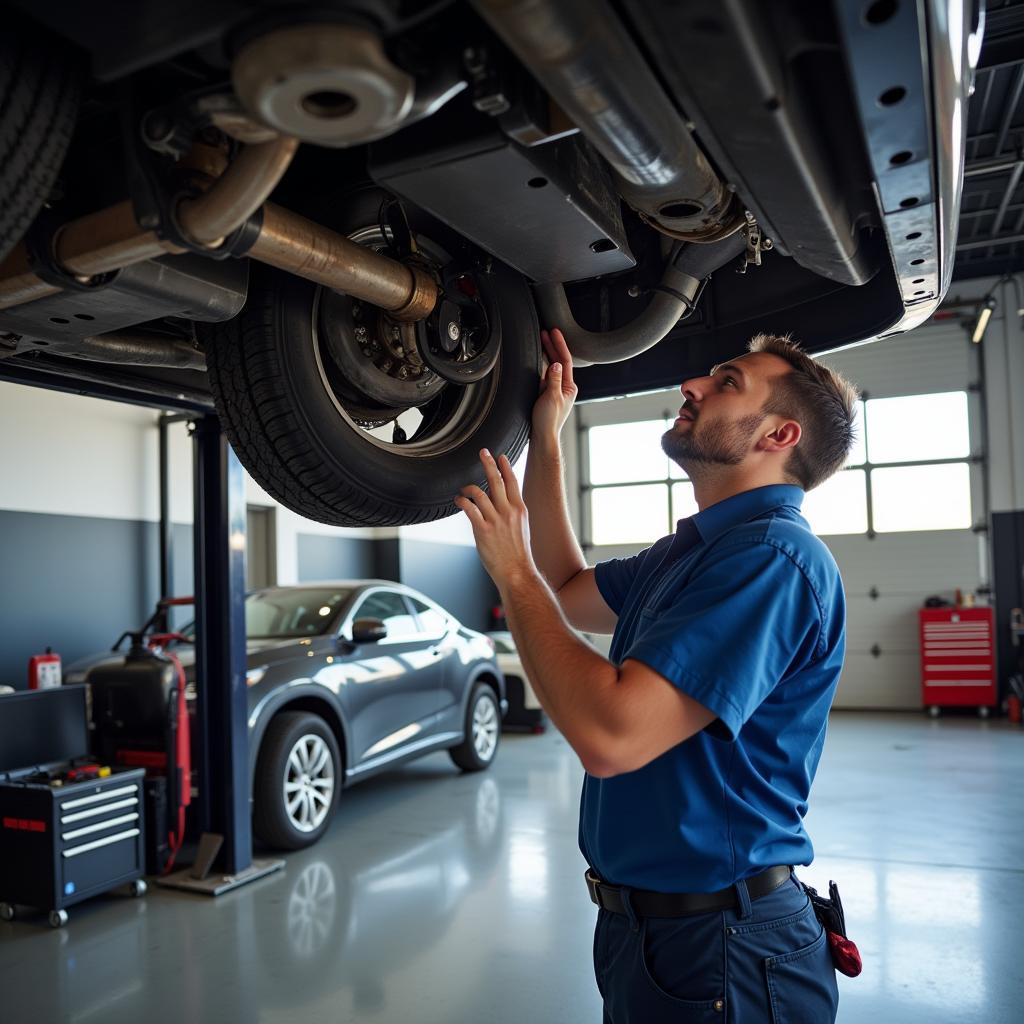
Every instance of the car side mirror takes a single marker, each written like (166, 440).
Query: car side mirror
(368, 631)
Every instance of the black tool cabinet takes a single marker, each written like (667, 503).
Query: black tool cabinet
(60, 845)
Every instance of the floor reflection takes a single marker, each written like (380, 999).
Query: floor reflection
(441, 898)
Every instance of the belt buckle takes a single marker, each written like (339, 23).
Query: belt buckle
(593, 886)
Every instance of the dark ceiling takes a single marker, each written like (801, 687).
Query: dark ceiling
(991, 239)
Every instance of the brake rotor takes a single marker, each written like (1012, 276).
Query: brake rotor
(376, 356)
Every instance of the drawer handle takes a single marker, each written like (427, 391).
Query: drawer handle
(93, 811)
(97, 843)
(107, 794)
(99, 826)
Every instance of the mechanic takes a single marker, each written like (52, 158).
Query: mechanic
(701, 734)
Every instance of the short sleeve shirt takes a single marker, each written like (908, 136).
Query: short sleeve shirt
(743, 610)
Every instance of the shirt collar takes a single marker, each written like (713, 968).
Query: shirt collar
(713, 521)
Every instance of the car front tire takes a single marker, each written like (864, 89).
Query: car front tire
(298, 778)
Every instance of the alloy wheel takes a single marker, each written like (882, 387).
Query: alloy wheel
(309, 783)
(485, 728)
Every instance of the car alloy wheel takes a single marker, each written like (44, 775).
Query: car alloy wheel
(485, 727)
(309, 783)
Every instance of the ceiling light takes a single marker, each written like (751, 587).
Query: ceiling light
(983, 318)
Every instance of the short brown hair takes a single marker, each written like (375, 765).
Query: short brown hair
(822, 401)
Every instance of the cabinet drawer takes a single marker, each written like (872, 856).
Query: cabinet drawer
(98, 863)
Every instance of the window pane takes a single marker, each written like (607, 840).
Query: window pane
(857, 452)
(290, 612)
(431, 620)
(390, 608)
(918, 427)
(624, 452)
(922, 498)
(839, 505)
(629, 515)
(684, 504)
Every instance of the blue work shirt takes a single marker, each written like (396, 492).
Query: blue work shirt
(743, 610)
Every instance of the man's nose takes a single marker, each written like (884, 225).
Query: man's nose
(693, 388)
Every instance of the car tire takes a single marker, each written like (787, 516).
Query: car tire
(483, 731)
(286, 405)
(39, 91)
(287, 814)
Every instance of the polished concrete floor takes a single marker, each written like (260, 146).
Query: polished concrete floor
(438, 898)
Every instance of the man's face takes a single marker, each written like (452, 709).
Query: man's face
(722, 412)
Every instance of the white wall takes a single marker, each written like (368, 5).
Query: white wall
(69, 455)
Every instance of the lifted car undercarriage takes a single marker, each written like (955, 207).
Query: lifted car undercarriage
(343, 223)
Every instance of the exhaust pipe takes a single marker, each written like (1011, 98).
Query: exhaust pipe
(579, 52)
(674, 298)
(128, 348)
(112, 239)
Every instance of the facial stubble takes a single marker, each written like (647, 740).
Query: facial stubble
(714, 443)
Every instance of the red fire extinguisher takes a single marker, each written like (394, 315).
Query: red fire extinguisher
(44, 670)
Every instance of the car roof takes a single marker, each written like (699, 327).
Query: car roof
(357, 585)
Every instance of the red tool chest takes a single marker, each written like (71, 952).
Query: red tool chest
(958, 663)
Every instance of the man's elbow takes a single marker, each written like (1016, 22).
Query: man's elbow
(608, 759)
(602, 768)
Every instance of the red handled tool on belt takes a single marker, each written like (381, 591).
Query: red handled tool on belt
(845, 954)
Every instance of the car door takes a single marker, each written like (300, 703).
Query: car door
(394, 684)
(440, 631)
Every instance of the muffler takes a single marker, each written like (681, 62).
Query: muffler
(581, 54)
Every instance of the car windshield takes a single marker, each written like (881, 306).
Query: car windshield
(289, 612)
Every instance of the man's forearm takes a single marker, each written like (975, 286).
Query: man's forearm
(574, 683)
(556, 551)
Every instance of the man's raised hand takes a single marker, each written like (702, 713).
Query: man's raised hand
(557, 389)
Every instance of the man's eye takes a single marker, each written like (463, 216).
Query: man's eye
(729, 380)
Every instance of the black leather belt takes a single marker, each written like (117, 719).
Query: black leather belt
(682, 904)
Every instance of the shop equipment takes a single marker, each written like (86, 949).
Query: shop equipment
(957, 658)
(68, 830)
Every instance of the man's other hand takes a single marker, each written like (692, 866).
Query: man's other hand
(557, 390)
(499, 519)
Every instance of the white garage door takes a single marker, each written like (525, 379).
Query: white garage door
(921, 408)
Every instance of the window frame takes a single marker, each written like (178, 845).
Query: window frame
(971, 459)
(586, 488)
(974, 460)
(345, 630)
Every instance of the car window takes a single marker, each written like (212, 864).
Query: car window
(292, 612)
(391, 609)
(432, 620)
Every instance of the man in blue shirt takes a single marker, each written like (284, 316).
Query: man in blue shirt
(702, 731)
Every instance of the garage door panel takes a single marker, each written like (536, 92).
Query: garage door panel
(889, 622)
(915, 564)
(928, 360)
(890, 681)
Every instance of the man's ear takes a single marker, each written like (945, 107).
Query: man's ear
(783, 436)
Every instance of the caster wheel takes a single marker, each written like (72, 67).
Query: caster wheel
(983, 712)
(934, 711)
(6, 911)
(138, 887)
(58, 918)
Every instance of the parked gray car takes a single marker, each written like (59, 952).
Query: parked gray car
(347, 679)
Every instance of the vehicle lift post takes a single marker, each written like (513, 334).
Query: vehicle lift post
(223, 751)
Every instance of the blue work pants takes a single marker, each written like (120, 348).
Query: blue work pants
(765, 962)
